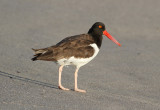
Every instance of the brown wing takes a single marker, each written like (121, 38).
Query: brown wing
(75, 39)
(77, 46)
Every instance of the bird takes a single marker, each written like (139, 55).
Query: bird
(77, 50)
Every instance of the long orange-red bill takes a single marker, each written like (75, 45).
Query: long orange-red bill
(111, 38)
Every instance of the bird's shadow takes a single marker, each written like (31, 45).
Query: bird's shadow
(27, 80)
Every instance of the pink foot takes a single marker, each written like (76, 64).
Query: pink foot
(80, 90)
(61, 87)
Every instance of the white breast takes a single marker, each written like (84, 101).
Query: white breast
(79, 61)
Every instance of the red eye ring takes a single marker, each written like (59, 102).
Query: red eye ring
(100, 26)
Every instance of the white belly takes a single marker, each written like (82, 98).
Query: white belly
(79, 61)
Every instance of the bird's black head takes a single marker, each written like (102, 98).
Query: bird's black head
(97, 29)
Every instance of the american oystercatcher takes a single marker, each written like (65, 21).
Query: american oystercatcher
(76, 50)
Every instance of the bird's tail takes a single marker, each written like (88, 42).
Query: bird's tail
(38, 52)
(34, 59)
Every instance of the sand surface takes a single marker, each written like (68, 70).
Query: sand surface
(119, 78)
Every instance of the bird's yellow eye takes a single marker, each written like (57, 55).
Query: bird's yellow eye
(100, 26)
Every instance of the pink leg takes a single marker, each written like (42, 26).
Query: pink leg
(76, 88)
(60, 73)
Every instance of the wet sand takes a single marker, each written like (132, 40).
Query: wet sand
(119, 78)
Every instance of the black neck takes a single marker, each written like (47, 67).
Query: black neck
(97, 36)
(97, 39)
